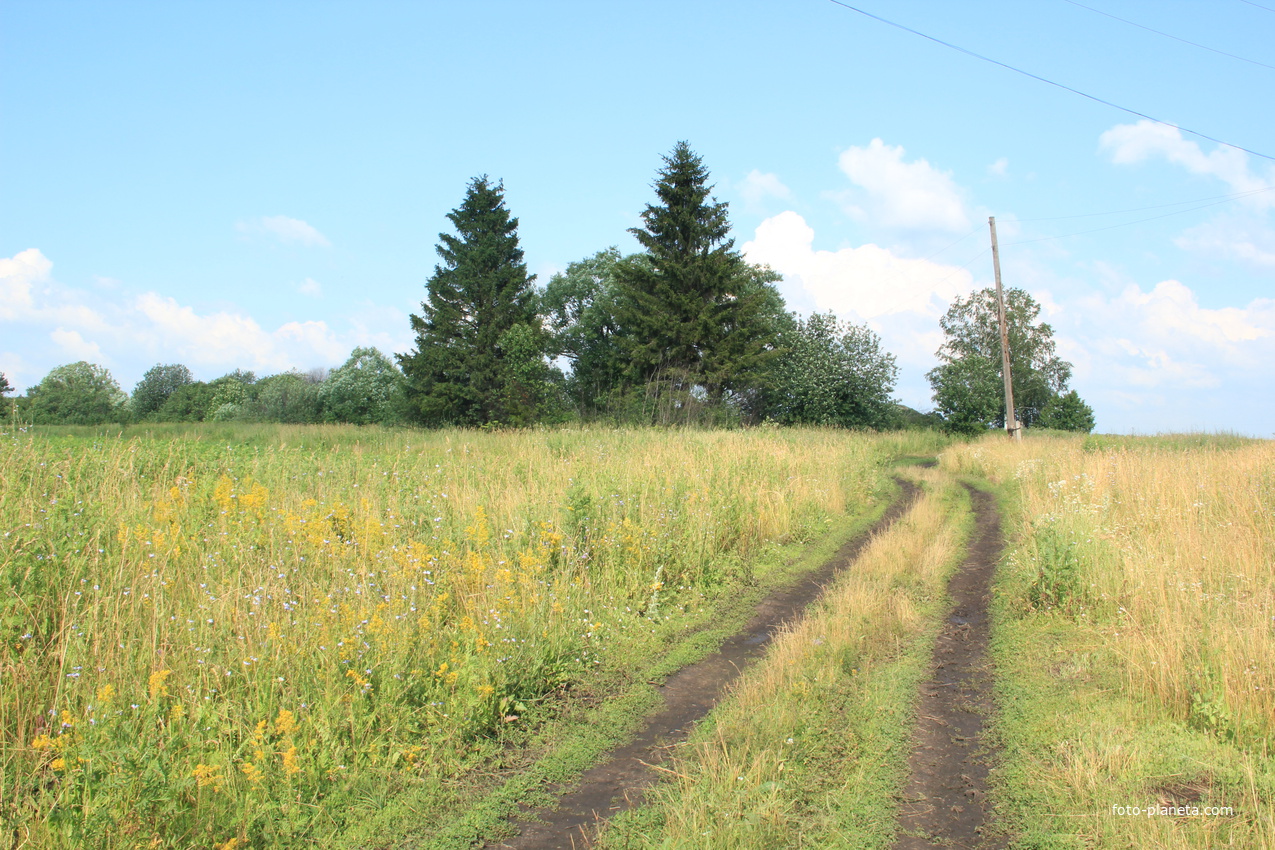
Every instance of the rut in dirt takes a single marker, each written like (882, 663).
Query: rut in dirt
(945, 801)
(618, 782)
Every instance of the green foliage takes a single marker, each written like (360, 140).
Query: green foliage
(968, 385)
(289, 397)
(156, 386)
(76, 394)
(581, 307)
(458, 373)
(694, 318)
(1067, 412)
(189, 403)
(5, 387)
(1057, 583)
(366, 389)
(830, 372)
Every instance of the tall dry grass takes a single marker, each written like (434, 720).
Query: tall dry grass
(1168, 551)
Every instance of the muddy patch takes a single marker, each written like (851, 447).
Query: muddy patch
(945, 801)
(618, 782)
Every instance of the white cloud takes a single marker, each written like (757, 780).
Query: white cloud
(756, 188)
(232, 339)
(1135, 143)
(76, 347)
(1232, 237)
(903, 195)
(287, 230)
(867, 282)
(999, 168)
(1155, 359)
(310, 287)
(18, 274)
(54, 324)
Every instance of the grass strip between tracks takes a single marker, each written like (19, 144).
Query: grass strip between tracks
(812, 747)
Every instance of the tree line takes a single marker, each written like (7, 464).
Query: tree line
(685, 331)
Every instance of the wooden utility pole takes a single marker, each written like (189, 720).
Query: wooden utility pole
(1012, 428)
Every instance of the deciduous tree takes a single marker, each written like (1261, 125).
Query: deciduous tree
(830, 372)
(76, 394)
(366, 389)
(159, 382)
(1067, 412)
(967, 383)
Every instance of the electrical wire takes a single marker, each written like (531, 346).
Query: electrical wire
(1121, 224)
(1235, 196)
(1167, 35)
(1258, 5)
(1048, 81)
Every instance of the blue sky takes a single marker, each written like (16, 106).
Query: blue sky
(261, 185)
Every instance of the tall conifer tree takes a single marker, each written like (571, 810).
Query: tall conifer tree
(694, 315)
(472, 336)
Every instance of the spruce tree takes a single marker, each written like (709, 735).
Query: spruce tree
(693, 317)
(460, 372)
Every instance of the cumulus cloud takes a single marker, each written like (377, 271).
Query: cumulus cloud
(999, 168)
(18, 274)
(310, 287)
(129, 335)
(1134, 143)
(868, 281)
(1158, 347)
(899, 194)
(290, 231)
(76, 347)
(757, 188)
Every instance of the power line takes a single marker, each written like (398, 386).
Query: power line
(1121, 224)
(1048, 81)
(1258, 5)
(1167, 35)
(1234, 196)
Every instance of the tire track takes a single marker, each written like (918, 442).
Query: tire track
(945, 801)
(618, 783)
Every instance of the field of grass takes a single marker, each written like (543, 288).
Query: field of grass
(1134, 644)
(1135, 639)
(254, 636)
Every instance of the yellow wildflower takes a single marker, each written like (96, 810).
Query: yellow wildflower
(251, 771)
(155, 684)
(285, 723)
(206, 774)
(105, 693)
(58, 764)
(42, 742)
(290, 766)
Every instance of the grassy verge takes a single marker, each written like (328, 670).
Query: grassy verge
(811, 748)
(1133, 641)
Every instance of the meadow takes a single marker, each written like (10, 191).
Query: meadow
(250, 636)
(1134, 658)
